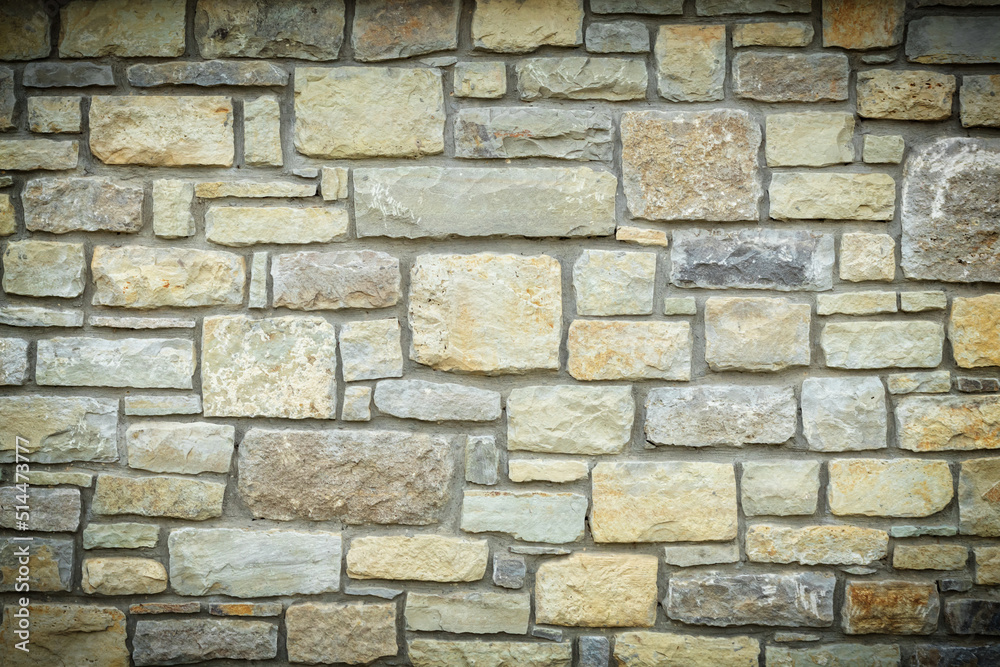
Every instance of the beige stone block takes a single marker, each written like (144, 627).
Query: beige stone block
(856, 303)
(905, 94)
(485, 80)
(979, 100)
(756, 334)
(780, 488)
(919, 302)
(262, 131)
(520, 26)
(335, 185)
(987, 565)
(597, 590)
(641, 236)
(42, 268)
(32, 154)
(979, 498)
(50, 115)
(870, 344)
(620, 350)
(886, 149)
(948, 423)
(172, 202)
(340, 633)
(468, 612)
(930, 557)
(178, 497)
(570, 419)
(863, 24)
(649, 649)
(974, 330)
(691, 62)
(897, 487)
(581, 78)
(243, 225)
(72, 634)
(832, 196)
(123, 576)
(791, 33)
(809, 139)
(448, 653)
(558, 471)
(122, 28)
(816, 545)
(866, 256)
(614, 282)
(417, 558)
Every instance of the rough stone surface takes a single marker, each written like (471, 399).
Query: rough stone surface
(60, 205)
(698, 165)
(597, 590)
(485, 313)
(383, 31)
(473, 612)
(948, 423)
(717, 7)
(963, 40)
(42, 268)
(120, 536)
(207, 74)
(49, 562)
(166, 363)
(178, 642)
(905, 94)
(160, 131)
(371, 349)
(243, 359)
(778, 259)
(987, 565)
(836, 196)
(520, 26)
(621, 37)
(122, 28)
(816, 545)
(898, 487)
(614, 282)
(856, 303)
(357, 404)
(381, 476)
(974, 330)
(50, 115)
(581, 78)
(809, 139)
(180, 447)
(620, 350)
(912, 343)
(646, 649)
(177, 497)
(663, 502)
(150, 406)
(863, 24)
(484, 80)
(973, 617)
(172, 200)
(544, 470)
(887, 149)
(691, 62)
(701, 554)
(436, 401)
(979, 497)
(843, 414)
(450, 653)
(482, 460)
(335, 280)
(720, 415)
(889, 607)
(790, 33)
(123, 576)
(409, 101)
(341, 633)
(7, 99)
(570, 419)
(24, 31)
(978, 101)
(780, 488)
(595, 651)
(59, 429)
(255, 29)
(52, 510)
(145, 277)
(243, 226)
(835, 655)
(717, 599)
(930, 557)
(416, 202)
(30, 154)
(756, 334)
(13, 363)
(262, 131)
(417, 558)
(502, 132)
(37, 316)
(866, 256)
(71, 634)
(532, 516)
(67, 75)
(773, 77)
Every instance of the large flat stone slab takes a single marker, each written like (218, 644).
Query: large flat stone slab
(874, 344)
(622, 350)
(643, 648)
(777, 77)
(417, 558)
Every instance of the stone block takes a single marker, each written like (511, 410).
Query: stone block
(532, 516)
(871, 344)
(570, 419)
(13, 362)
(334, 280)
(37, 316)
(614, 282)
(973, 616)
(120, 536)
(72, 634)
(948, 423)
(262, 131)
(176, 497)
(172, 202)
(434, 401)
(60, 205)
(640, 648)
(509, 571)
(166, 363)
(123, 576)
(383, 31)
(886, 149)
(49, 563)
(978, 100)
(856, 303)
(930, 557)
(178, 642)
(642, 236)
(786, 33)
(482, 460)
(843, 414)
(357, 404)
(254, 29)
(890, 607)
(897, 487)
(446, 653)
(49, 115)
(832, 196)
(663, 502)
(484, 80)
(59, 429)
(206, 74)
(157, 406)
(42, 268)
(622, 350)
(618, 37)
(417, 558)
(24, 33)
(243, 226)
(816, 545)
(504, 132)
(471, 612)
(979, 497)
(558, 471)
(974, 330)
(340, 633)
(719, 7)
(756, 334)
(809, 139)
(863, 24)
(777, 77)
(780, 488)
(181, 447)
(122, 28)
(905, 94)
(962, 40)
(866, 256)
(701, 554)
(521, 26)
(835, 655)
(691, 62)
(371, 349)
(597, 590)
(32, 154)
(987, 565)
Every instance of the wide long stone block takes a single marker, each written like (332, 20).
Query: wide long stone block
(165, 363)
(947, 423)
(532, 516)
(61, 205)
(59, 429)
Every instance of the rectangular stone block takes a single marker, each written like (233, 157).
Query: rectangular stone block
(919, 382)
(621, 350)
(532, 516)
(701, 554)
(49, 563)
(843, 414)
(150, 406)
(122, 28)
(143, 277)
(73, 634)
(208, 74)
(253, 189)
(756, 334)
(52, 115)
(832, 196)
(472, 612)
(947, 423)
(60, 205)
(977, 100)
(436, 401)
(777, 77)
(699, 165)
(513, 26)
(809, 139)
(974, 330)
(13, 362)
(243, 226)
(123, 576)
(484, 80)
(718, 7)
(38, 316)
(691, 62)
(900, 344)
(979, 497)
(485, 313)
(790, 33)
(777, 259)
(120, 536)
(779, 488)
(963, 40)
(228, 561)
(162, 131)
(618, 37)
(614, 282)
(663, 502)
(59, 429)
(262, 131)
(442, 653)
(67, 75)
(51, 510)
(905, 94)
(371, 349)
(32, 154)
(436, 202)
(177, 642)
(482, 460)
(863, 24)
(417, 558)
(172, 202)
(720, 415)
(835, 655)
(177, 497)
(335, 280)
(357, 477)
(7, 99)
(570, 419)
(181, 447)
(816, 545)
(558, 471)
(42, 268)
(955, 656)
(245, 608)
(656, 7)
(930, 557)
(429, 26)
(340, 633)
(597, 590)
(897, 487)
(856, 303)
(166, 363)
(504, 132)
(973, 616)
(789, 599)
(890, 607)
(249, 29)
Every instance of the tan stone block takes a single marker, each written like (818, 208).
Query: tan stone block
(856, 303)
(809, 139)
(756, 334)
(122, 28)
(791, 33)
(987, 565)
(384, 31)
(417, 558)
(32, 154)
(886, 149)
(641, 236)
(832, 196)
(123, 576)
(597, 590)
(930, 557)
(558, 471)
(890, 607)
(614, 282)
(42, 268)
(691, 62)
(341, 633)
(780, 488)
(71, 634)
(54, 114)
(468, 612)
(520, 26)
(885, 344)
(948, 423)
(618, 350)
(905, 94)
(863, 24)
(897, 487)
(663, 502)
(979, 498)
(262, 131)
(662, 649)
(485, 80)
(816, 545)
(979, 99)
(176, 497)
(8, 223)
(239, 226)
(974, 330)
(867, 257)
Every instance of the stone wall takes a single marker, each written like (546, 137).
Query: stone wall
(502, 332)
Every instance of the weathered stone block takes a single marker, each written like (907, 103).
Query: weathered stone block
(400, 30)
(961, 40)
(614, 282)
(777, 259)
(60, 205)
(485, 313)
(208, 73)
(50, 115)
(701, 554)
(417, 558)
(334, 280)
(717, 7)
(172, 201)
(165, 363)
(156, 406)
(471, 612)
(790, 33)
(955, 656)
(340, 633)
(256, 29)
(809, 139)
(7, 99)
(243, 226)
(867, 257)
(787, 599)
(520, 26)
(357, 404)
(161, 131)
(418, 202)
(930, 557)
(532, 516)
(756, 334)
(974, 330)
(816, 545)
(13, 363)
(436, 401)
(123, 576)
(371, 349)
(122, 28)
(558, 471)
(905, 94)
(856, 303)
(42, 268)
(863, 24)
(979, 497)
(978, 101)
(143, 277)
(843, 414)
(67, 75)
(485, 80)
(52, 510)
(37, 316)
(973, 617)
(887, 149)
(948, 423)
(178, 642)
(597, 590)
(120, 536)
(642, 649)
(180, 447)
(663, 502)
(780, 488)
(613, 350)
(901, 344)
(447, 653)
(49, 563)
(897, 487)
(176, 497)
(642, 236)
(720, 415)
(262, 131)
(356, 477)
(890, 607)
(618, 37)
(59, 429)
(774, 77)
(72, 634)
(24, 33)
(228, 561)
(835, 655)
(657, 7)
(409, 103)
(832, 196)
(987, 565)
(31, 154)
(570, 419)
(503, 132)
(691, 62)
(699, 165)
